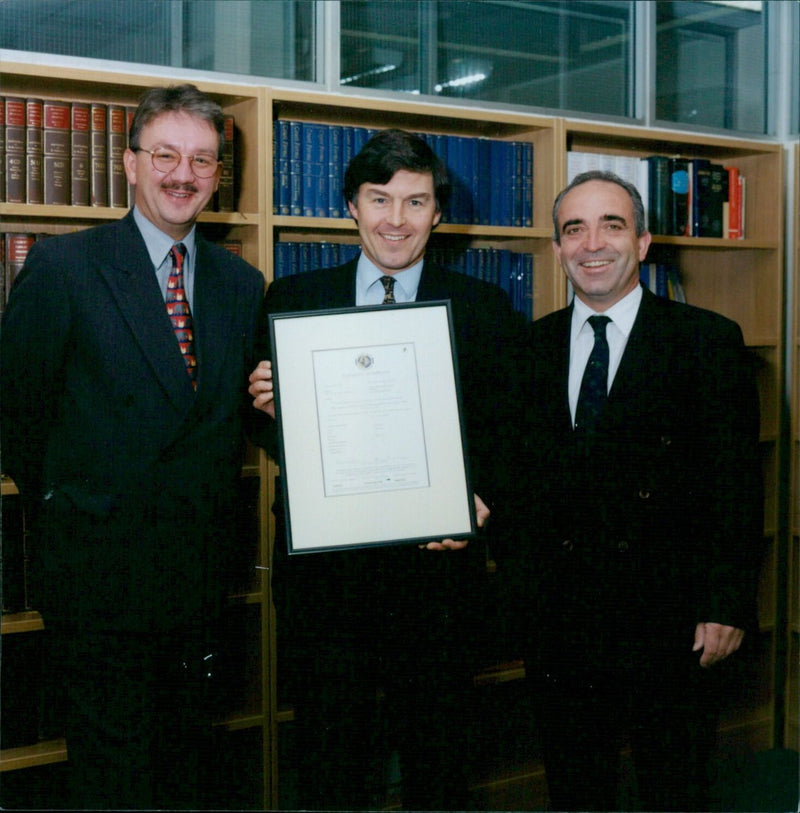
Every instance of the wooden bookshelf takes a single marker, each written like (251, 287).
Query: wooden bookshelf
(741, 279)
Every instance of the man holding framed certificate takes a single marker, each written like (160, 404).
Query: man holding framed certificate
(380, 638)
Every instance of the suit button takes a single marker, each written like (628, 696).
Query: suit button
(644, 493)
(567, 545)
(622, 546)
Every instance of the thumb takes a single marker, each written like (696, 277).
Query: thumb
(699, 637)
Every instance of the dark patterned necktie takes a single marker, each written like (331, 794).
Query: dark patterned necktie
(594, 386)
(388, 287)
(179, 313)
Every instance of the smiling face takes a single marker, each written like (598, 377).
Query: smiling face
(173, 200)
(598, 249)
(395, 219)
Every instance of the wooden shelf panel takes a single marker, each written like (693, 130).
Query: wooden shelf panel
(28, 621)
(31, 756)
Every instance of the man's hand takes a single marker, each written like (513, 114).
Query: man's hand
(717, 642)
(481, 514)
(261, 388)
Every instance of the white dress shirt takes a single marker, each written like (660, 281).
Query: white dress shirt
(622, 315)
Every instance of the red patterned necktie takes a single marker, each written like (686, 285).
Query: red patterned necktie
(179, 313)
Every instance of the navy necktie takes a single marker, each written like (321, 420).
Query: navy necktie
(179, 313)
(594, 386)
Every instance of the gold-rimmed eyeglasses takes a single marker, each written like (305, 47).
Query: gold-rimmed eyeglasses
(165, 160)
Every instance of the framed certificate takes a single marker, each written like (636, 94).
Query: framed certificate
(372, 447)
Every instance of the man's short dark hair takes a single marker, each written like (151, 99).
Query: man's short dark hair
(388, 152)
(176, 99)
(599, 175)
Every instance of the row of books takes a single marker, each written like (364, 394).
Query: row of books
(492, 180)
(14, 247)
(510, 270)
(662, 279)
(66, 153)
(691, 197)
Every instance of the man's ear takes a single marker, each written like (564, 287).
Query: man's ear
(351, 207)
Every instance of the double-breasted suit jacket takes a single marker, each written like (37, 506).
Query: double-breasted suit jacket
(394, 593)
(655, 526)
(131, 472)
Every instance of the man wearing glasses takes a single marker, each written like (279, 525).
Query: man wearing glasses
(126, 350)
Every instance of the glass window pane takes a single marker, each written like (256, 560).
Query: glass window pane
(710, 67)
(561, 55)
(267, 38)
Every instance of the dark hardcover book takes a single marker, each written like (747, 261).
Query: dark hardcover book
(34, 149)
(3, 300)
(98, 155)
(679, 192)
(713, 194)
(20, 686)
(699, 184)
(659, 210)
(225, 192)
(117, 141)
(15, 163)
(79, 154)
(57, 180)
(13, 555)
(2, 149)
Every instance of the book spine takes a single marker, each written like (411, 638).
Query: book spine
(98, 155)
(17, 246)
(679, 188)
(335, 172)
(115, 148)
(130, 112)
(56, 141)
(34, 149)
(659, 209)
(734, 204)
(2, 149)
(700, 182)
(79, 154)
(296, 168)
(15, 149)
(225, 192)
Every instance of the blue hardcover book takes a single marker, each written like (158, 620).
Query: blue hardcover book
(280, 174)
(335, 207)
(295, 168)
(283, 259)
(498, 182)
(315, 170)
(527, 185)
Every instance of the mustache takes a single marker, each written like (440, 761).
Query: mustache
(180, 187)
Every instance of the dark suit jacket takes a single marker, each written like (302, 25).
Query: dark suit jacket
(659, 525)
(132, 472)
(404, 593)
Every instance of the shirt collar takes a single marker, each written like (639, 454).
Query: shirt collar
(407, 279)
(158, 244)
(622, 313)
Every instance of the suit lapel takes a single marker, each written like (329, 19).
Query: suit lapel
(125, 265)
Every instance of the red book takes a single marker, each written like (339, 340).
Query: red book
(98, 156)
(734, 204)
(17, 246)
(57, 125)
(117, 141)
